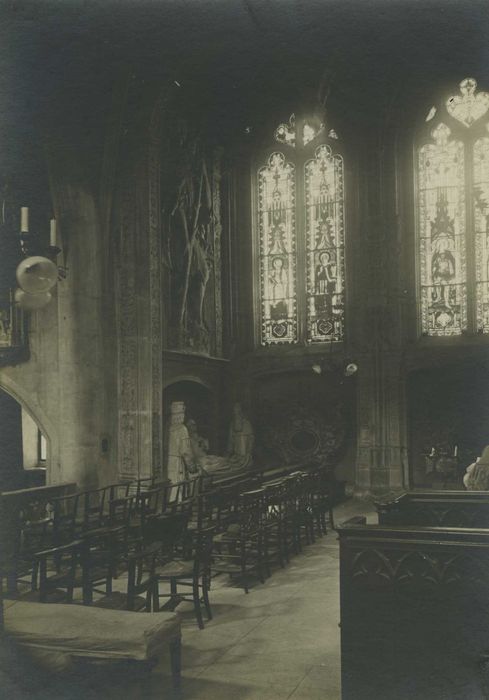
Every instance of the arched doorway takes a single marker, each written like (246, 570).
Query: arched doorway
(23, 447)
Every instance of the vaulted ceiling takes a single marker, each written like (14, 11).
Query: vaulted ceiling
(234, 62)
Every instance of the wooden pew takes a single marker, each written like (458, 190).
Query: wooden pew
(437, 509)
(414, 612)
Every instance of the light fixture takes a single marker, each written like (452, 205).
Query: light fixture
(345, 368)
(38, 272)
(350, 369)
(31, 302)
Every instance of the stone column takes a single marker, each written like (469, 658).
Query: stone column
(138, 304)
(381, 445)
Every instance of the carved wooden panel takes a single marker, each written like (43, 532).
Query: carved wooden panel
(414, 612)
(301, 417)
(191, 232)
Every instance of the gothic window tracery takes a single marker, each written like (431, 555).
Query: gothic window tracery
(301, 236)
(453, 216)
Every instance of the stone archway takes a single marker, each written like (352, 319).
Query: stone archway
(31, 407)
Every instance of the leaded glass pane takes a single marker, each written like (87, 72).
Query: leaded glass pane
(481, 226)
(310, 132)
(324, 246)
(276, 211)
(469, 106)
(285, 133)
(441, 225)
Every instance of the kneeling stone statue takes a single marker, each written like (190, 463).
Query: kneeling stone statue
(477, 474)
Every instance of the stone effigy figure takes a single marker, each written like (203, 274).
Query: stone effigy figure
(477, 474)
(180, 457)
(204, 462)
(241, 439)
(240, 446)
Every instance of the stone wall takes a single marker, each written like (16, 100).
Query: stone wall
(65, 384)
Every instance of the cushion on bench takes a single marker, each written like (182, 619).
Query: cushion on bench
(76, 630)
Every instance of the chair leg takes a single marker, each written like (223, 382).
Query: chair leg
(244, 573)
(197, 608)
(87, 594)
(260, 564)
(35, 569)
(156, 597)
(205, 589)
(176, 661)
(173, 591)
(266, 557)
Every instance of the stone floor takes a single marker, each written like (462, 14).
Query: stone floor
(280, 641)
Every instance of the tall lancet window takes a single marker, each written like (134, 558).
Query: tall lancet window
(453, 215)
(301, 236)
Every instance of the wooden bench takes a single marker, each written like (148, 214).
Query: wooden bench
(437, 509)
(414, 612)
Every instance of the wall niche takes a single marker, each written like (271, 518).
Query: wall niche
(447, 409)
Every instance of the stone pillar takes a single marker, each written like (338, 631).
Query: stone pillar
(381, 444)
(138, 309)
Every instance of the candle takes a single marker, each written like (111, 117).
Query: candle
(432, 453)
(52, 235)
(24, 219)
(455, 451)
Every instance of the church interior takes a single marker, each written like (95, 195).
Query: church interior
(244, 334)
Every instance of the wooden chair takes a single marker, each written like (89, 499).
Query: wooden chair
(59, 573)
(93, 508)
(31, 536)
(142, 584)
(65, 519)
(274, 525)
(239, 550)
(121, 512)
(319, 501)
(149, 504)
(193, 572)
(304, 519)
(103, 556)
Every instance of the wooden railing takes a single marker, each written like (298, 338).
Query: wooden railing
(437, 508)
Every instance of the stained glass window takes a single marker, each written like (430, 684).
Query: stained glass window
(324, 245)
(276, 185)
(453, 215)
(481, 226)
(442, 235)
(285, 133)
(469, 106)
(301, 236)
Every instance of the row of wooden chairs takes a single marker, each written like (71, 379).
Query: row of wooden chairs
(174, 534)
(256, 528)
(68, 517)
